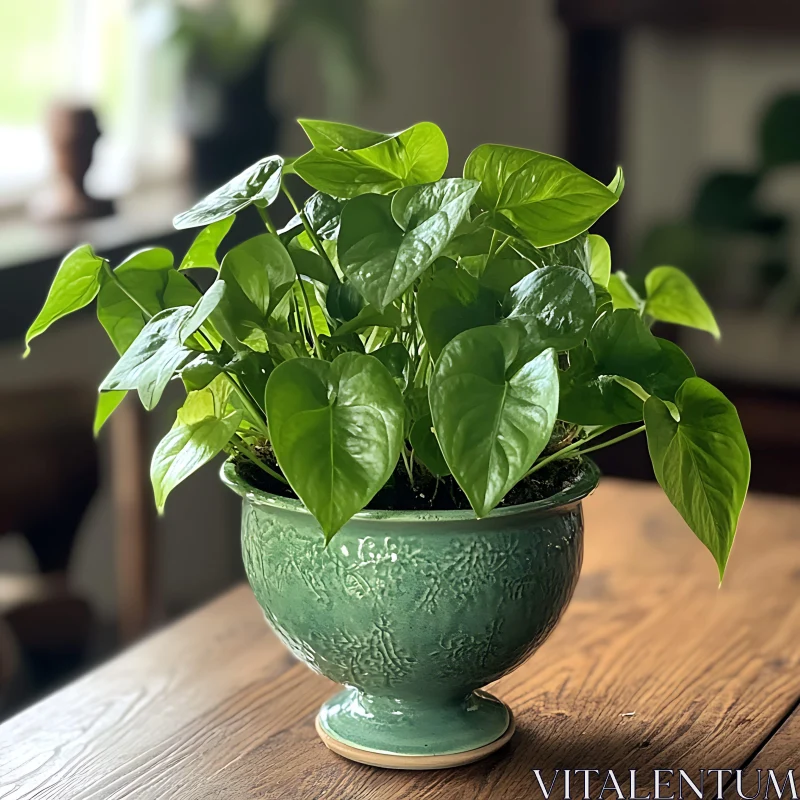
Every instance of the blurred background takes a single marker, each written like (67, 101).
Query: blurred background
(116, 114)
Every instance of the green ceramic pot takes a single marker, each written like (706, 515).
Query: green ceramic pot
(414, 611)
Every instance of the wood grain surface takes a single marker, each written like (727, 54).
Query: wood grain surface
(653, 666)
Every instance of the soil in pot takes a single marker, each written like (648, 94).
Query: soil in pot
(428, 493)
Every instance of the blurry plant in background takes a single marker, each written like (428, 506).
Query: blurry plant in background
(740, 241)
(227, 52)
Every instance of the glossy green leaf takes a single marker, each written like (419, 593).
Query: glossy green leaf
(149, 277)
(259, 184)
(426, 447)
(75, 285)
(186, 448)
(588, 397)
(503, 271)
(311, 265)
(498, 274)
(623, 295)
(673, 368)
(256, 265)
(451, 301)
(344, 301)
(672, 297)
(599, 267)
(701, 462)
(383, 258)
(202, 254)
(492, 425)
(347, 161)
(547, 198)
(107, 403)
(202, 369)
(556, 307)
(317, 314)
(395, 358)
(202, 310)
(623, 345)
(572, 253)
(323, 213)
(258, 274)
(617, 184)
(337, 429)
(326, 135)
(369, 317)
(152, 359)
(213, 400)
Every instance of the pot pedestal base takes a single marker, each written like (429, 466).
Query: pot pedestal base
(399, 734)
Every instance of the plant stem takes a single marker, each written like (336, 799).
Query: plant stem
(634, 387)
(567, 451)
(309, 230)
(424, 358)
(502, 245)
(250, 406)
(114, 277)
(492, 246)
(264, 214)
(309, 318)
(245, 450)
(322, 254)
(616, 439)
(409, 470)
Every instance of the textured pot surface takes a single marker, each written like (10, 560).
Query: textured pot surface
(412, 611)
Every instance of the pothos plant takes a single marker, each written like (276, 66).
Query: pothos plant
(465, 328)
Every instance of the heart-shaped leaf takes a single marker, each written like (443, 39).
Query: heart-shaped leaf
(623, 295)
(337, 430)
(599, 266)
(426, 447)
(259, 184)
(623, 345)
(308, 263)
(672, 297)
(383, 258)
(491, 425)
(556, 307)
(256, 266)
(701, 462)
(258, 274)
(75, 285)
(547, 198)
(587, 397)
(107, 403)
(153, 357)
(203, 252)
(186, 448)
(395, 358)
(449, 302)
(149, 277)
(347, 161)
(323, 214)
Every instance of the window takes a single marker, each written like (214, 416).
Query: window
(101, 53)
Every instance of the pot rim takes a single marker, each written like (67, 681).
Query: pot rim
(570, 496)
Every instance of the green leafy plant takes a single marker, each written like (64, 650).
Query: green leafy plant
(406, 327)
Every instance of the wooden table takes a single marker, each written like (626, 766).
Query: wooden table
(652, 666)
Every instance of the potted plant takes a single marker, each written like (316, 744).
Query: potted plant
(407, 378)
